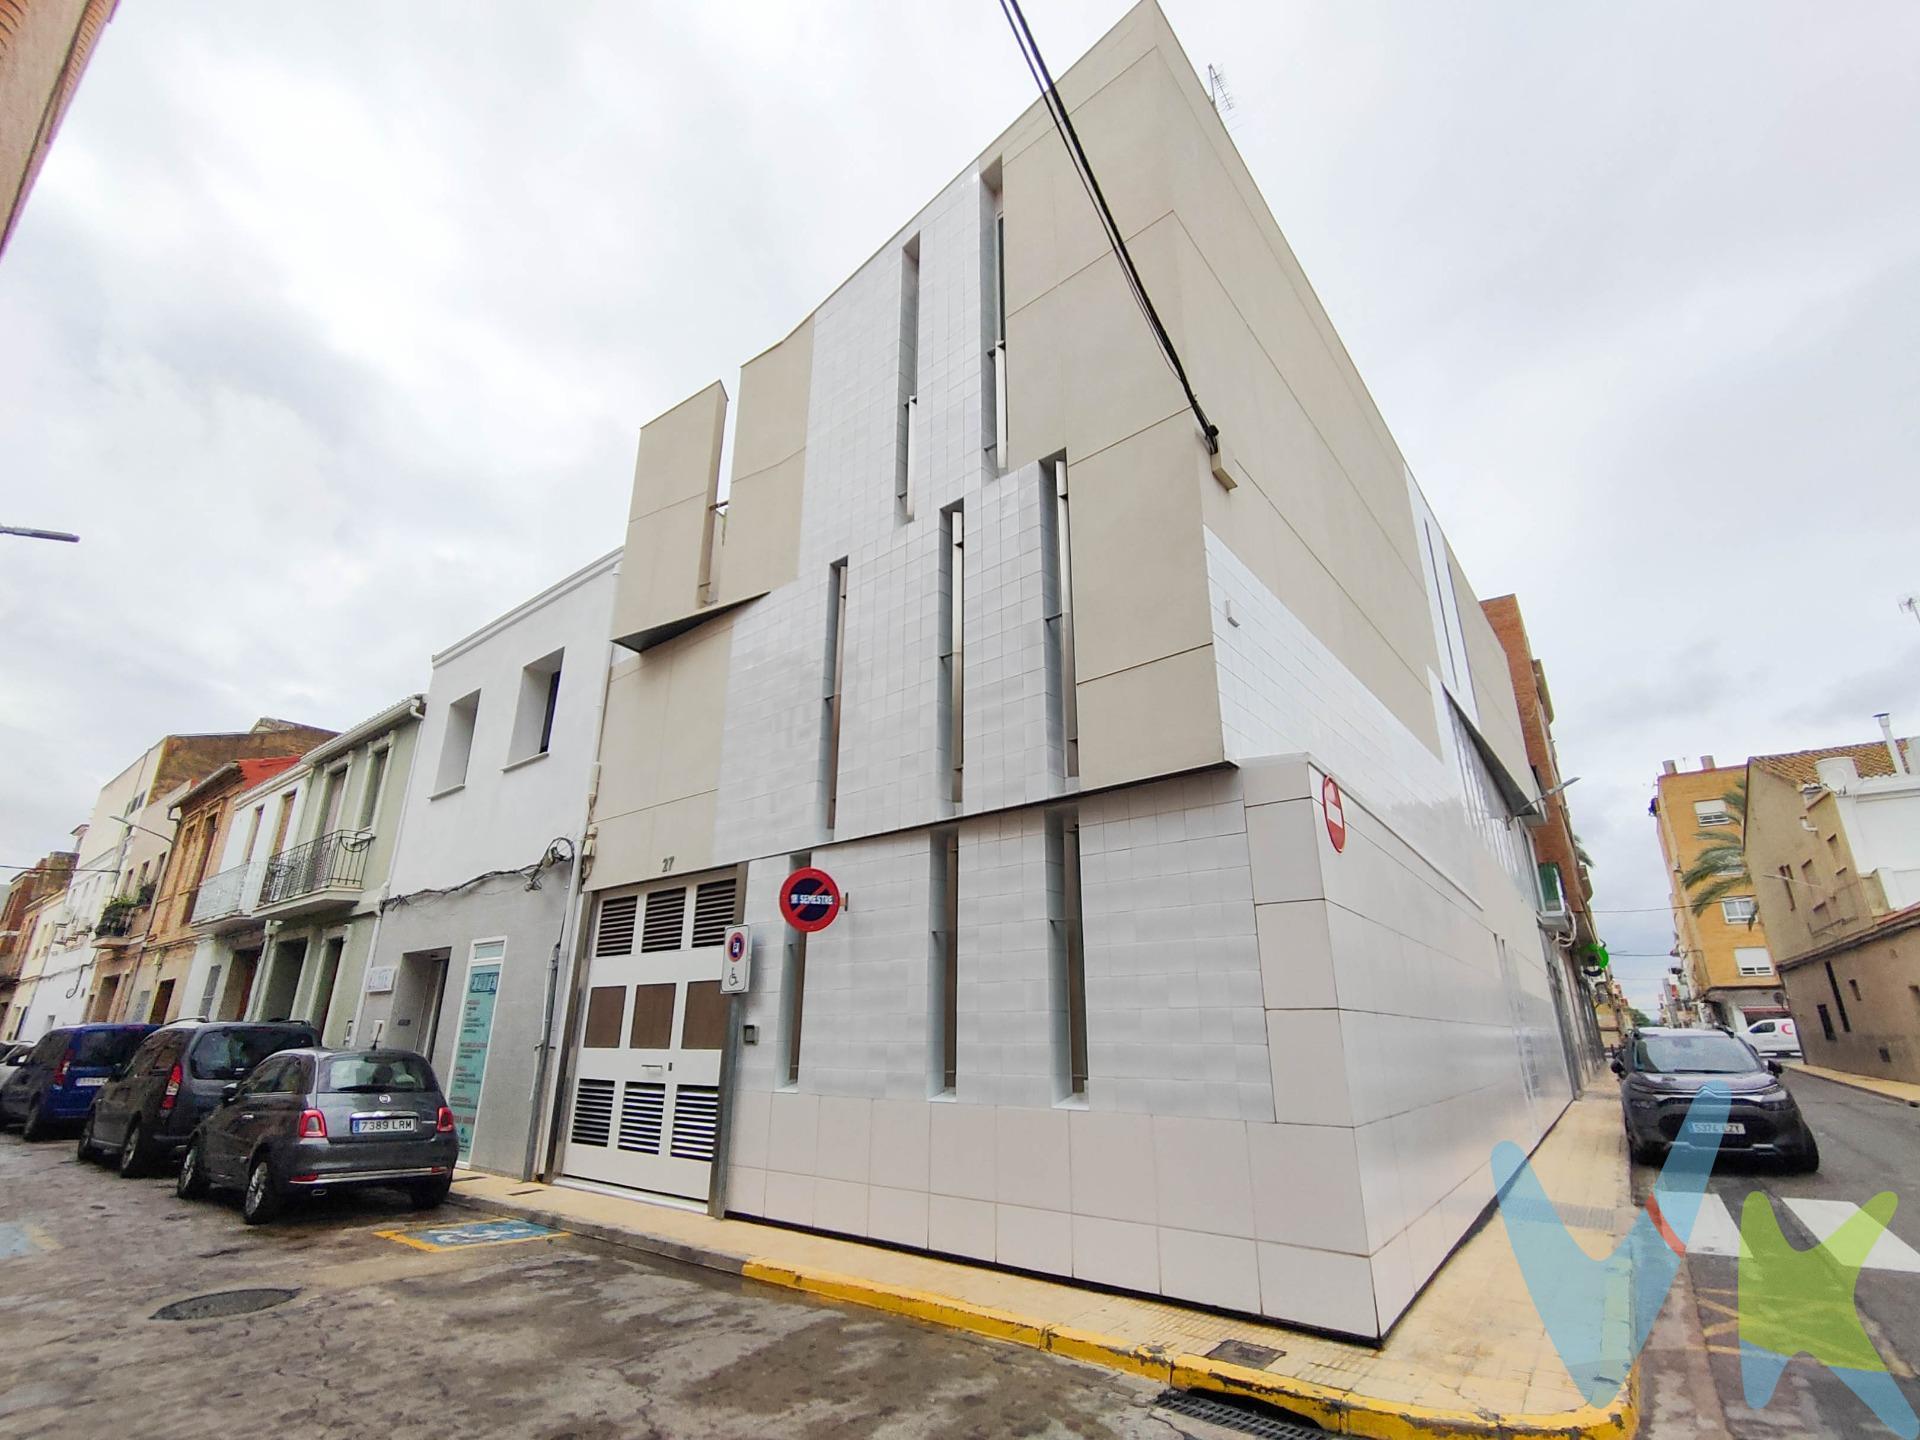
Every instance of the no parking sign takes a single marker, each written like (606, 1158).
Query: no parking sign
(737, 967)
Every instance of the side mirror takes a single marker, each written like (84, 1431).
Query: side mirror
(1617, 1068)
(227, 1092)
(1773, 1067)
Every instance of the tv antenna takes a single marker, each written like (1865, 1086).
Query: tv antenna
(1217, 91)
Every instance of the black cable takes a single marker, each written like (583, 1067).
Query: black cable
(1083, 167)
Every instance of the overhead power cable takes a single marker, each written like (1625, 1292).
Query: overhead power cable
(1083, 167)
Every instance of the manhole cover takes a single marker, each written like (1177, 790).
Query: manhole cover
(1230, 1415)
(222, 1303)
(1243, 1352)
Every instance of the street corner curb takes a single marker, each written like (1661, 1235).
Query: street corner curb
(1337, 1411)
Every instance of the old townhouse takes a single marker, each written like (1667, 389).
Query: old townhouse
(25, 892)
(1833, 848)
(1114, 828)
(483, 896)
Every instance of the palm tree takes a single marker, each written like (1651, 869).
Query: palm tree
(1721, 866)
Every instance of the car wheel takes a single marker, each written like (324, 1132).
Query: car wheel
(191, 1183)
(34, 1127)
(262, 1199)
(1643, 1154)
(1807, 1161)
(426, 1194)
(133, 1155)
(83, 1152)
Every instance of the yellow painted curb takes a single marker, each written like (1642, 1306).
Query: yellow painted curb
(1338, 1411)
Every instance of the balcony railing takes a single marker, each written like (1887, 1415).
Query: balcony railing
(336, 861)
(234, 891)
(116, 920)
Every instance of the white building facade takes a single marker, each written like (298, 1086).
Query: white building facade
(482, 896)
(1189, 941)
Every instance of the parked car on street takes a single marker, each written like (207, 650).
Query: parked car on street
(147, 1112)
(56, 1083)
(1777, 1039)
(1662, 1070)
(310, 1121)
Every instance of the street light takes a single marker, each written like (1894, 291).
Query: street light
(31, 534)
(122, 820)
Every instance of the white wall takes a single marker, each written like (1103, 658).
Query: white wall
(505, 813)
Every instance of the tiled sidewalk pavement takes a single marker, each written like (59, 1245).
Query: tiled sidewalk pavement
(1469, 1358)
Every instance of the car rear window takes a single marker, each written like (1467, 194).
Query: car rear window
(350, 1074)
(1706, 1052)
(105, 1047)
(229, 1054)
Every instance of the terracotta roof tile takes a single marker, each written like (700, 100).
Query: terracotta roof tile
(1797, 766)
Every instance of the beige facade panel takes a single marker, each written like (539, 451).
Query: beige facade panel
(1139, 559)
(1158, 718)
(679, 457)
(774, 390)
(760, 544)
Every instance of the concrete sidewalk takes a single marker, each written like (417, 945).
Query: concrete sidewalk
(1873, 1084)
(1470, 1357)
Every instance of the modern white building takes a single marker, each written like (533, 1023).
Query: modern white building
(1188, 939)
(482, 895)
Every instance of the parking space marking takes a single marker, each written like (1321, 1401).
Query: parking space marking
(437, 1238)
(1823, 1217)
(1714, 1232)
(17, 1239)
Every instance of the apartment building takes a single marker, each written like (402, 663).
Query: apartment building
(91, 963)
(1833, 845)
(18, 913)
(44, 49)
(483, 895)
(1728, 969)
(301, 924)
(1121, 833)
(1566, 887)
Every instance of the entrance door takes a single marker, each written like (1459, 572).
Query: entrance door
(646, 1088)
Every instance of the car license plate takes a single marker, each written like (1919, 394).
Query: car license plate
(1725, 1127)
(91, 1082)
(381, 1124)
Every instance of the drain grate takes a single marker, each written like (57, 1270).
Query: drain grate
(1231, 1416)
(223, 1303)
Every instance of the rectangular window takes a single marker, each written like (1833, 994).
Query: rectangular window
(943, 989)
(1738, 910)
(906, 411)
(533, 715)
(1067, 946)
(456, 743)
(1854, 987)
(1826, 1022)
(370, 790)
(1838, 1004)
(1753, 960)
(836, 681)
(1056, 600)
(331, 798)
(1786, 884)
(1711, 812)
(213, 989)
(253, 831)
(953, 643)
(993, 317)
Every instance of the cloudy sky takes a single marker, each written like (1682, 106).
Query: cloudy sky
(330, 328)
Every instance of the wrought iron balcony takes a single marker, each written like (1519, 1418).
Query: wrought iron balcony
(116, 919)
(233, 892)
(335, 861)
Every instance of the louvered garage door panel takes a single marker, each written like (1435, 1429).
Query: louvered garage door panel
(646, 1046)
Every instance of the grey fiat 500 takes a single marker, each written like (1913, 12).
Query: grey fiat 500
(310, 1121)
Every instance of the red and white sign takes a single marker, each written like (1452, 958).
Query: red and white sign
(736, 970)
(1336, 813)
(809, 899)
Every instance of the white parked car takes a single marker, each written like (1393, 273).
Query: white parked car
(1774, 1038)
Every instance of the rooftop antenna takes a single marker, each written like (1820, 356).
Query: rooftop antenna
(1217, 91)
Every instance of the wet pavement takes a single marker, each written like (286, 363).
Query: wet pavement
(553, 1339)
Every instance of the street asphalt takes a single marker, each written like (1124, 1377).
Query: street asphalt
(1691, 1368)
(553, 1339)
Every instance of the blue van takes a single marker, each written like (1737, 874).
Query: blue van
(56, 1083)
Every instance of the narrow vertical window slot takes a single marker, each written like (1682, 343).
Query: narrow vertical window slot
(908, 409)
(1068, 961)
(993, 314)
(835, 686)
(943, 957)
(953, 646)
(793, 991)
(1056, 560)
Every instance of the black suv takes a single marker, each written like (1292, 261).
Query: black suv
(1662, 1070)
(146, 1112)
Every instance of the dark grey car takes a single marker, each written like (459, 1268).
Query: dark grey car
(309, 1121)
(1661, 1071)
(146, 1113)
